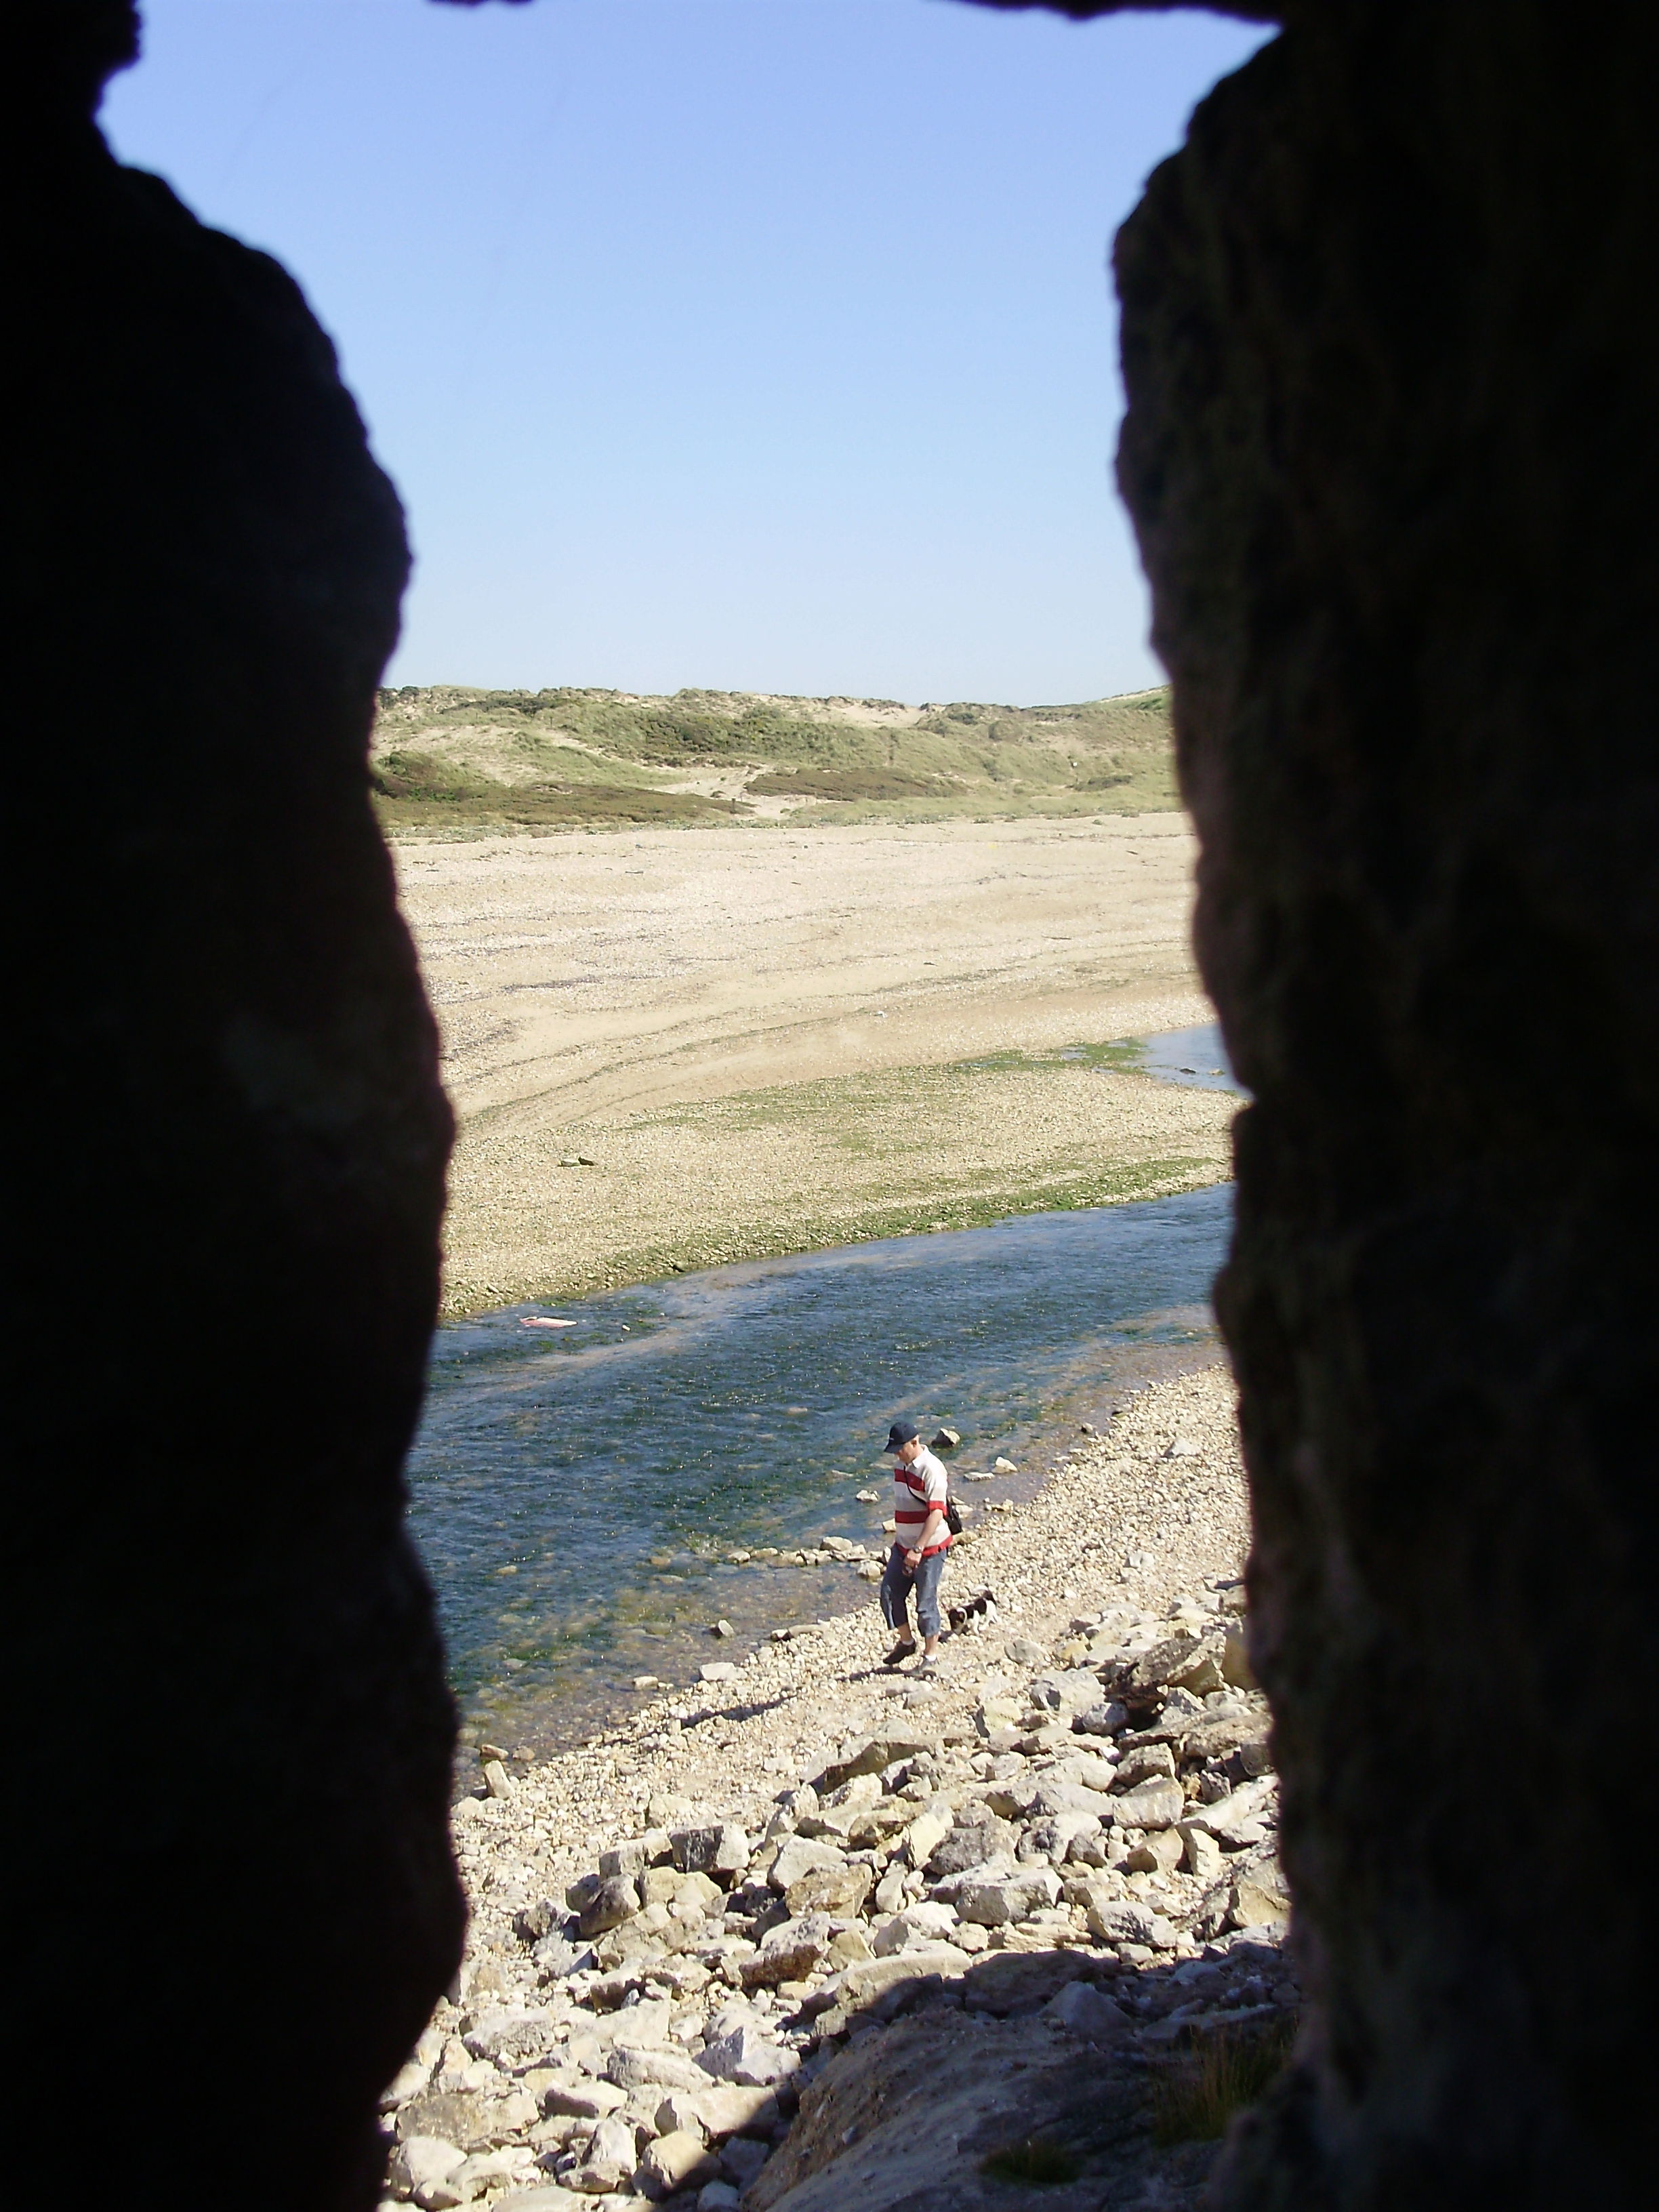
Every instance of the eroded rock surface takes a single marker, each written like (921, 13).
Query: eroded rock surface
(1388, 450)
(227, 1142)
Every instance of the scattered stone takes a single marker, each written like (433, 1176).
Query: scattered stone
(1237, 1818)
(798, 1855)
(1088, 2012)
(466, 2116)
(1260, 1900)
(420, 2165)
(995, 1902)
(615, 1900)
(508, 2038)
(1185, 1661)
(630, 2068)
(679, 2160)
(1160, 1852)
(1126, 1920)
(1158, 1804)
(414, 2076)
(1202, 1853)
(1106, 1719)
(748, 2058)
(917, 1924)
(925, 1835)
(722, 1628)
(634, 1857)
(722, 1849)
(972, 1843)
(742, 2159)
(1236, 1667)
(718, 1670)
(1145, 1762)
(1073, 1690)
(1009, 1983)
(875, 1753)
(728, 2110)
(789, 1951)
(610, 2160)
(840, 1890)
(583, 2100)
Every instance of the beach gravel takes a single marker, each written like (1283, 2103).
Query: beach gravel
(821, 1875)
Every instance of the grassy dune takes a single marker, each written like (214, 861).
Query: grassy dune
(450, 761)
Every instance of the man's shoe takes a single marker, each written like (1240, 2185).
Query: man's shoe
(899, 1654)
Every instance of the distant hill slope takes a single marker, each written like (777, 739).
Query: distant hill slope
(446, 760)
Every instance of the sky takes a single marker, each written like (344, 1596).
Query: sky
(745, 345)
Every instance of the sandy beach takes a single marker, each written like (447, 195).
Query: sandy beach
(677, 1048)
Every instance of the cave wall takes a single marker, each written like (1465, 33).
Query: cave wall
(230, 1867)
(1389, 337)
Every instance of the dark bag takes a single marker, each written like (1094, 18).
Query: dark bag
(953, 1517)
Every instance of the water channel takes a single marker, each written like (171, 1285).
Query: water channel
(576, 1494)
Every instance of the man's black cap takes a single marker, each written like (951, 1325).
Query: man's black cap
(901, 1432)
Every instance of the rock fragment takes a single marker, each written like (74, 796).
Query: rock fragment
(677, 2161)
(1158, 1804)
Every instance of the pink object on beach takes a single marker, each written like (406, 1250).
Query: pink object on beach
(540, 1321)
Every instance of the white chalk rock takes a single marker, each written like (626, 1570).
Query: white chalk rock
(748, 2058)
(420, 2164)
(680, 2160)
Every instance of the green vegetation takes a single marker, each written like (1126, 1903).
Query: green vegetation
(846, 783)
(1034, 2163)
(447, 759)
(1232, 2071)
(421, 791)
(1128, 1053)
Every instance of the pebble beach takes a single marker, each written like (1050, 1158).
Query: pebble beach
(693, 1935)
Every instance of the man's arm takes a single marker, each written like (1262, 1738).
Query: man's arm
(932, 1530)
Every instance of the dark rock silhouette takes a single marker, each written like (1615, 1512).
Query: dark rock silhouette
(227, 1145)
(1390, 355)
(1389, 333)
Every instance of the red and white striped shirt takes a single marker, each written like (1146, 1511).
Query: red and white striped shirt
(921, 1486)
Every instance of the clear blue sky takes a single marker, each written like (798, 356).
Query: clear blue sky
(759, 344)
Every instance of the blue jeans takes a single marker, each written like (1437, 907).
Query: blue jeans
(896, 1587)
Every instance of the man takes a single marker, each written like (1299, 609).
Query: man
(917, 1559)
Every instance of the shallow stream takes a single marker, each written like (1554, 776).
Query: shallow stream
(575, 1492)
